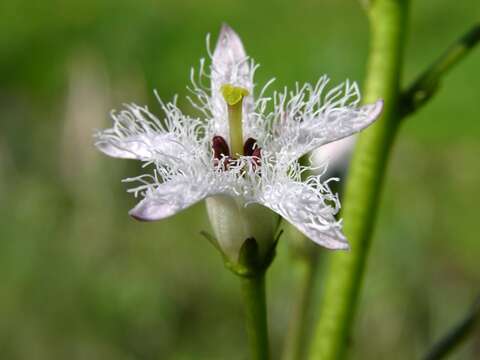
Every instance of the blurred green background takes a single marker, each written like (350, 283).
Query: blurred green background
(79, 279)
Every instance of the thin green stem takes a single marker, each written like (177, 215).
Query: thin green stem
(297, 335)
(253, 292)
(362, 192)
(457, 335)
(426, 85)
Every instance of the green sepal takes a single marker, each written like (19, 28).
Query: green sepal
(250, 262)
(249, 255)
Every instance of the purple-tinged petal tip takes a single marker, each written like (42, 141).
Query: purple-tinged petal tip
(377, 109)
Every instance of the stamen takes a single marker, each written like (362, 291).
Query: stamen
(257, 153)
(248, 147)
(251, 148)
(233, 96)
(220, 147)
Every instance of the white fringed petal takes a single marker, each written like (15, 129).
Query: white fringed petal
(305, 207)
(339, 124)
(307, 119)
(138, 134)
(140, 147)
(230, 65)
(167, 199)
(230, 62)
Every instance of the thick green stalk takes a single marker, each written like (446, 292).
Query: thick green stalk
(253, 292)
(345, 270)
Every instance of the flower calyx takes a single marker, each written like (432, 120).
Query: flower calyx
(250, 262)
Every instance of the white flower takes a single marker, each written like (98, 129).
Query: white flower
(242, 154)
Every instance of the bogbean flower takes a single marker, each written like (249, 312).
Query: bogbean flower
(241, 155)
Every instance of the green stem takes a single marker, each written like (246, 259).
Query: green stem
(297, 335)
(457, 335)
(425, 86)
(345, 270)
(253, 292)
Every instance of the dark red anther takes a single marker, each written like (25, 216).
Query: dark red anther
(221, 152)
(251, 148)
(220, 147)
(257, 153)
(257, 156)
(248, 147)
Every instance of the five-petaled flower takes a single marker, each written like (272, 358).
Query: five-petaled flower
(241, 154)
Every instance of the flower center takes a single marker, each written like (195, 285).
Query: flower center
(221, 151)
(233, 96)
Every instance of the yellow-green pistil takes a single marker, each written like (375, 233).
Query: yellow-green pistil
(233, 96)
